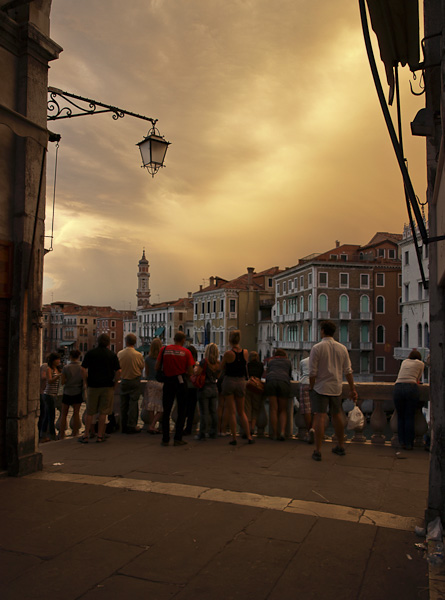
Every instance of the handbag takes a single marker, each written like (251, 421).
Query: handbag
(356, 419)
(160, 375)
(255, 385)
(199, 380)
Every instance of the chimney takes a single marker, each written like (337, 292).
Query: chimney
(212, 281)
(200, 288)
(250, 271)
(337, 243)
(189, 294)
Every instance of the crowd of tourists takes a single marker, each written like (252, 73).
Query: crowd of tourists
(225, 391)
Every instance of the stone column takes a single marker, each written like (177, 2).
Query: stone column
(25, 50)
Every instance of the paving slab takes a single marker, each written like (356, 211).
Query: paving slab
(121, 587)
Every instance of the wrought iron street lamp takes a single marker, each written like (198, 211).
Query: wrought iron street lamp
(153, 147)
(153, 150)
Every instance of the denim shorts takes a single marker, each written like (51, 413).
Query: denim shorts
(320, 403)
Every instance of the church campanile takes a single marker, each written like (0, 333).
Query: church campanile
(143, 291)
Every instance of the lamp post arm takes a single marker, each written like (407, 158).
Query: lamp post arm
(57, 111)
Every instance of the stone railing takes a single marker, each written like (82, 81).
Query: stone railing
(377, 398)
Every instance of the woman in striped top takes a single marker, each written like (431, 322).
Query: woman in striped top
(53, 375)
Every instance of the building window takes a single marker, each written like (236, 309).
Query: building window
(406, 292)
(208, 306)
(406, 336)
(344, 333)
(278, 288)
(391, 254)
(380, 304)
(344, 303)
(196, 309)
(214, 306)
(407, 258)
(309, 302)
(221, 306)
(302, 282)
(309, 279)
(301, 303)
(202, 308)
(380, 364)
(322, 303)
(232, 308)
(344, 280)
(400, 305)
(323, 279)
(296, 284)
(113, 323)
(344, 257)
(284, 287)
(380, 334)
(419, 335)
(426, 335)
(380, 279)
(364, 280)
(399, 280)
(364, 363)
(364, 333)
(420, 290)
(381, 253)
(364, 304)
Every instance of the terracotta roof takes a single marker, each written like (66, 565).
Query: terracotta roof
(240, 282)
(382, 236)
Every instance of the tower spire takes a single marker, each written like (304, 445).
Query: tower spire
(143, 291)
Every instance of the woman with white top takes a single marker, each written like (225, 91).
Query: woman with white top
(406, 397)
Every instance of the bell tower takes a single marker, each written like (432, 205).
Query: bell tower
(143, 291)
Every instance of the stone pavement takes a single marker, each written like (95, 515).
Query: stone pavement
(130, 518)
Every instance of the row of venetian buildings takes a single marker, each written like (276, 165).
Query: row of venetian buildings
(374, 294)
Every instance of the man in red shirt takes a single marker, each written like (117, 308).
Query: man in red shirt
(176, 363)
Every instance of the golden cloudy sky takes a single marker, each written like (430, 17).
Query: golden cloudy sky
(279, 147)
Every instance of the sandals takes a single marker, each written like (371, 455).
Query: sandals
(100, 440)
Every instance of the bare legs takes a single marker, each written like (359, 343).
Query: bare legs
(278, 415)
(319, 426)
(154, 418)
(223, 416)
(63, 417)
(235, 404)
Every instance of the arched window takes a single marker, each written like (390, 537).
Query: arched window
(364, 333)
(380, 304)
(426, 335)
(380, 334)
(344, 303)
(309, 302)
(322, 303)
(406, 336)
(344, 337)
(364, 304)
(309, 333)
(301, 303)
(419, 335)
(284, 307)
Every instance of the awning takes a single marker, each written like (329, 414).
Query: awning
(159, 331)
(144, 348)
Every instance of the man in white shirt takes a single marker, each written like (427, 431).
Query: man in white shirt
(328, 362)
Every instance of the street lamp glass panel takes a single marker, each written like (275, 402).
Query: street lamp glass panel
(158, 149)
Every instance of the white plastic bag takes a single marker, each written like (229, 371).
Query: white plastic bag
(356, 418)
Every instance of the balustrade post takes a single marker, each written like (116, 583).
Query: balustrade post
(378, 423)
(420, 428)
(394, 428)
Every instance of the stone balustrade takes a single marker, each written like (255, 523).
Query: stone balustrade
(378, 398)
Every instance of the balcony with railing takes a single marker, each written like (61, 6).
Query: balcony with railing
(366, 316)
(344, 315)
(365, 345)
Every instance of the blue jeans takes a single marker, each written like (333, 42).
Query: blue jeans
(406, 398)
(208, 398)
(49, 417)
(130, 392)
